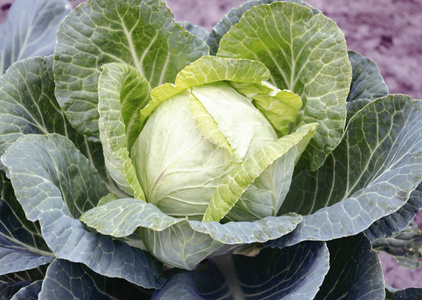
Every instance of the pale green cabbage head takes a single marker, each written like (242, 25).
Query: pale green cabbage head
(179, 166)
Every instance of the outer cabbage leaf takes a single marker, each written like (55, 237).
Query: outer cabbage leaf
(367, 82)
(66, 280)
(142, 34)
(8, 289)
(404, 246)
(179, 242)
(355, 271)
(234, 15)
(354, 106)
(32, 275)
(408, 294)
(197, 30)
(271, 274)
(234, 197)
(370, 174)
(21, 244)
(21, 247)
(306, 53)
(54, 183)
(29, 292)
(30, 30)
(398, 220)
(28, 106)
(122, 92)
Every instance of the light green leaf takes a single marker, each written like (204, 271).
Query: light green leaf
(370, 175)
(142, 34)
(211, 69)
(28, 106)
(30, 30)
(208, 126)
(306, 53)
(228, 195)
(208, 69)
(122, 92)
(121, 217)
(108, 198)
(279, 107)
(234, 15)
(171, 240)
(237, 120)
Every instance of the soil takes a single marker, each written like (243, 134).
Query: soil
(387, 31)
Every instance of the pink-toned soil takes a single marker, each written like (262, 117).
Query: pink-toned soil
(387, 31)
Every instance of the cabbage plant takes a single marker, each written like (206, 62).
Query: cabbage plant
(147, 158)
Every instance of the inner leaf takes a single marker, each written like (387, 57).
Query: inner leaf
(236, 117)
(207, 125)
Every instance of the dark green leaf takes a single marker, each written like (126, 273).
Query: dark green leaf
(29, 292)
(53, 183)
(28, 275)
(16, 250)
(28, 106)
(66, 280)
(21, 244)
(398, 220)
(30, 30)
(367, 82)
(197, 30)
(406, 294)
(273, 274)
(354, 107)
(404, 246)
(355, 271)
(8, 289)
(370, 175)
